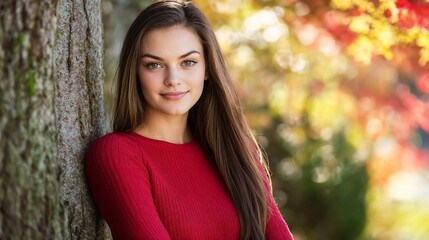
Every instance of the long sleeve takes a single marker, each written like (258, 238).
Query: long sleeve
(119, 182)
(276, 228)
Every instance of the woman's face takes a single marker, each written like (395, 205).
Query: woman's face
(171, 71)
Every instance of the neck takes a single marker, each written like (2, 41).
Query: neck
(174, 129)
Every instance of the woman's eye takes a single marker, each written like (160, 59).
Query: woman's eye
(153, 66)
(189, 63)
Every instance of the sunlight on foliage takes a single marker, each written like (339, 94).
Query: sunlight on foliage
(330, 110)
(379, 24)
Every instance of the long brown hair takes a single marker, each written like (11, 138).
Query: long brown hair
(216, 119)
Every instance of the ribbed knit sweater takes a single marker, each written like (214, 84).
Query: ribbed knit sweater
(152, 189)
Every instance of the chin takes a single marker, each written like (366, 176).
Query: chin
(177, 112)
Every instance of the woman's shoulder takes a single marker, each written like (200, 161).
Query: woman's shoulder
(113, 138)
(113, 144)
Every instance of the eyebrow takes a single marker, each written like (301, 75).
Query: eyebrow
(159, 58)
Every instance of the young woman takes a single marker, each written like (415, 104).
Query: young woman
(182, 162)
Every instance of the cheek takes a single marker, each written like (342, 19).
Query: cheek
(147, 81)
(198, 76)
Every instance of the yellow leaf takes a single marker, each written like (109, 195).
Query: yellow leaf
(362, 49)
(360, 24)
(424, 56)
(423, 40)
(342, 4)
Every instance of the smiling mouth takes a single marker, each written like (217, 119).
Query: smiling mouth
(174, 95)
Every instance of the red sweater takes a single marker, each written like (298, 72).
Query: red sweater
(151, 189)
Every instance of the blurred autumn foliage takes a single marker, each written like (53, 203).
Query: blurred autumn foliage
(337, 93)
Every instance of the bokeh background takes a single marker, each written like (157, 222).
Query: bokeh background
(338, 94)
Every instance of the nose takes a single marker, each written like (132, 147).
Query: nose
(172, 77)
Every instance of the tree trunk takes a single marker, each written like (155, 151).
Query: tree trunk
(30, 199)
(43, 193)
(79, 102)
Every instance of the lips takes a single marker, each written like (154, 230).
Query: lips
(174, 95)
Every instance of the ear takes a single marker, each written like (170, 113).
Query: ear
(206, 76)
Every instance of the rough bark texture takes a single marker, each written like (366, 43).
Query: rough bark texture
(79, 106)
(45, 131)
(30, 200)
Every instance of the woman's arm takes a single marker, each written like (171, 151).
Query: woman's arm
(119, 182)
(276, 228)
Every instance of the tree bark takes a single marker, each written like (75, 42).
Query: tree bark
(47, 124)
(79, 103)
(30, 199)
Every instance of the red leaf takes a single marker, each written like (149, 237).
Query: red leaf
(418, 108)
(423, 83)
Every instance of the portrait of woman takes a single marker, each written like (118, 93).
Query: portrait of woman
(181, 161)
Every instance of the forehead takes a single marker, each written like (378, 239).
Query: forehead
(170, 40)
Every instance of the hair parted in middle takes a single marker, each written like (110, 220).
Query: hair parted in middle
(216, 120)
